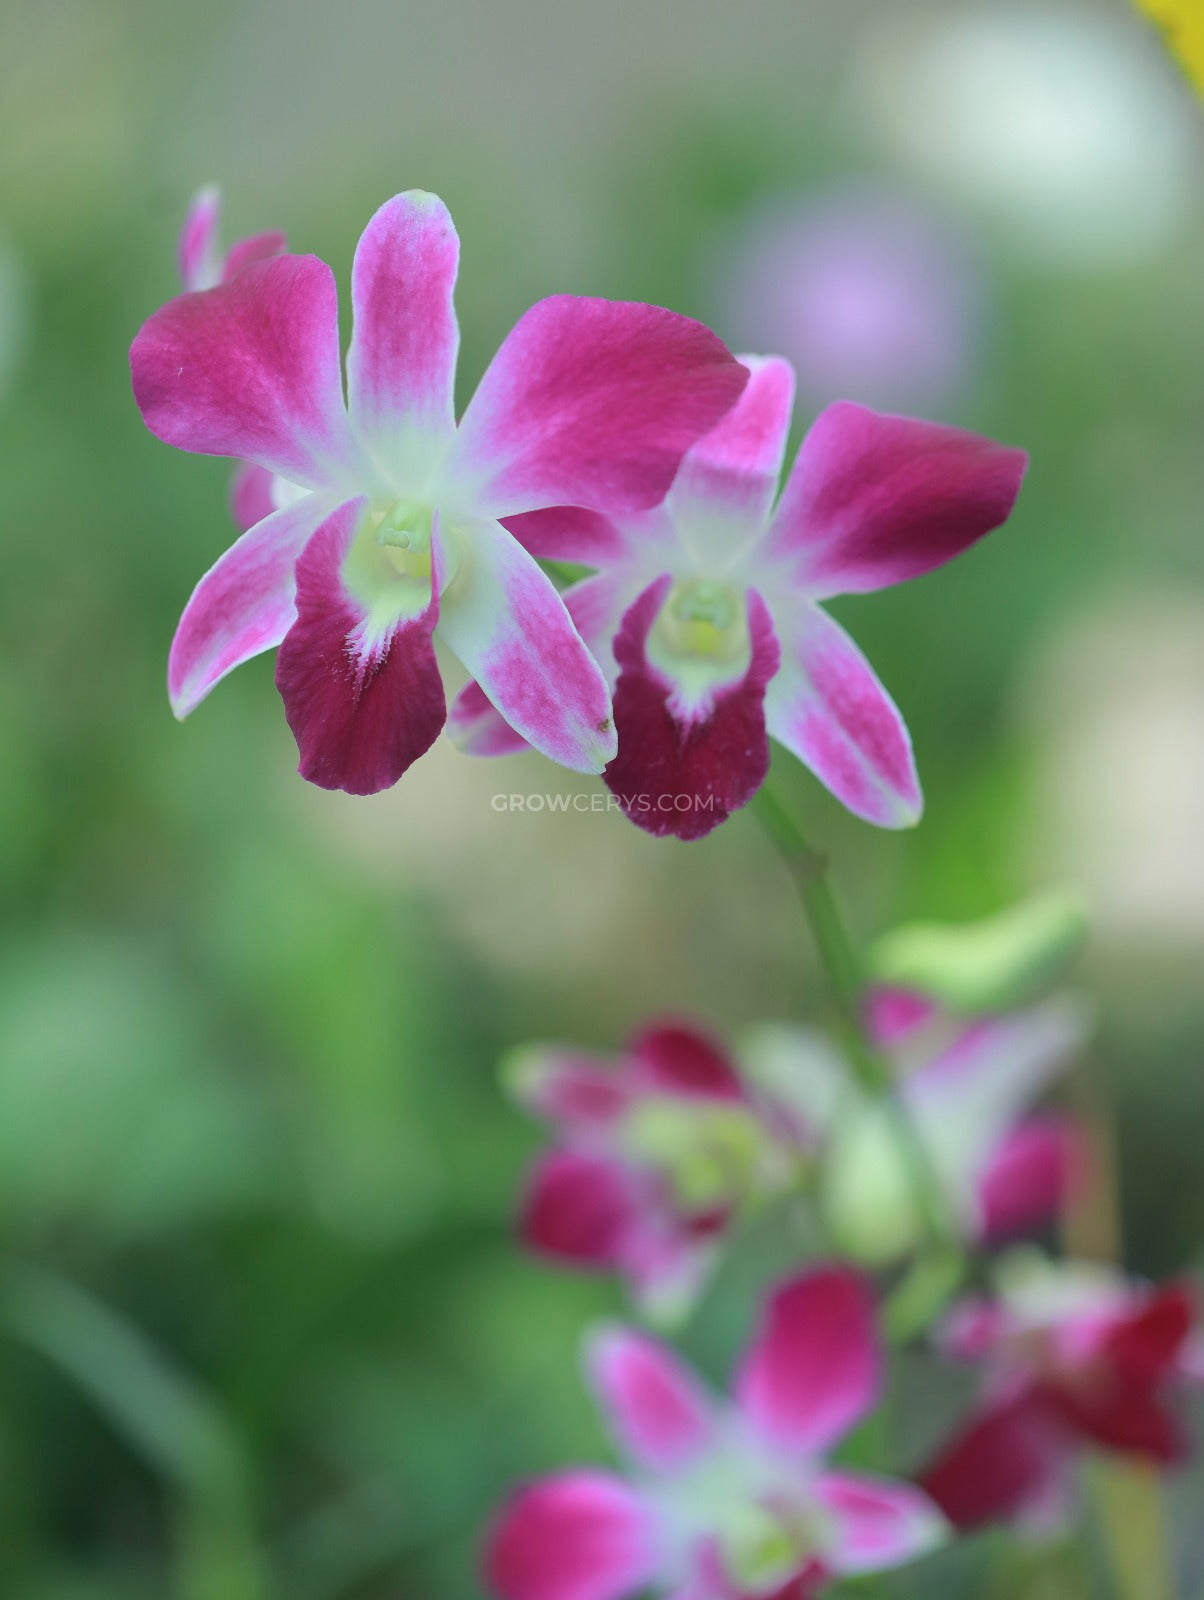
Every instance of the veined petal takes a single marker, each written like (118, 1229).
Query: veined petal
(1028, 1178)
(676, 1059)
(570, 533)
(828, 708)
(579, 1208)
(684, 776)
(1006, 1462)
(724, 491)
(581, 1536)
(814, 1367)
(879, 1523)
(364, 699)
(244, 603)
(401, 367)
(596, 606)
(590, 403)
(661, 1415)
(251, 495)
(197, 253)
(875, 499)
(251, 369)
(504, 619)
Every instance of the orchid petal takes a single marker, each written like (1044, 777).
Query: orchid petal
(244, 604)
(814, 1367)
(878, 1523)
(197, 253)
(401, 367)
(504, 619)
(591, 403)
(725, 488)
(674, 1059)
(248, 251)
(875, 499)
(685, 777)
(579, 1208)
(1006, 1461)
(569, 533)
(251, 369)
(661, 1415)
(581, 1536)
(1028, 1178)
(827, 708)
(364, 701)
(567, 1087)
(251, 496)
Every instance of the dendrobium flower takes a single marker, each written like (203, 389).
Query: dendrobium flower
(965, 1086)
(387, 530)
(658, 1154)
(725, 1501)
(254, 493)
(1075, 1356)
(706, 611)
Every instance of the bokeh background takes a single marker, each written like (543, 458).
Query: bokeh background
(264, 1330)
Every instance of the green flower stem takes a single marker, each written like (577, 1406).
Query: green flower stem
(808, 867)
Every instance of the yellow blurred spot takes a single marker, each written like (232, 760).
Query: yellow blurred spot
(1183, 23)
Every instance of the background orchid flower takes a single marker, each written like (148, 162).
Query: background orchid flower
(391, 532)
(254, 491)
(725, 1500)
(657, 1154)
(966, 1086)
(706, 612)
(1075, 1356)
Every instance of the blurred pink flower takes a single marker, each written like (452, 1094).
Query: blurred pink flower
(871, 296)
(393, 532)
(1074, 1357)
(706, 612)
(657, 1154)
(724, 1500)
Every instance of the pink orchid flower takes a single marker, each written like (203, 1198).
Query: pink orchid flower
(391, 532)
(724, 1500)
(658, 1153)
(966, 1085)
(707, 611)
(1075, 1356)
(254, 492)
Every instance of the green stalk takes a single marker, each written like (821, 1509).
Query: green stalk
(808, 868)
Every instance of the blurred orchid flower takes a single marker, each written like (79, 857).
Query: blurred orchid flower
(657, 1155)
(1075, 1356)
(965, 1086)
(392, 530)
(254, 492)
(725, 1500)
(706, 613)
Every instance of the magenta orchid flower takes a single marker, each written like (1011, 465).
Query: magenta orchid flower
(707, 614)
(254, 492)
(391, 533)
(658, 1153)
(965, 1085)
(1075, 1357)
(724, 1500)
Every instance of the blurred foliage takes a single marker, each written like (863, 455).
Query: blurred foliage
(263, 1326)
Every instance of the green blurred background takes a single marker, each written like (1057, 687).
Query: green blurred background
(264, 1330)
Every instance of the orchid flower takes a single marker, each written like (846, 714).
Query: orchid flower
(1074, 1356)
(254, 493)
(706, 612)
(965, 1086)
(387, 532)
(724, 1500)
(657, 1155)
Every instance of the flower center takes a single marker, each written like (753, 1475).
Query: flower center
(708, 1154)
(702, 619)
(388, 568)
